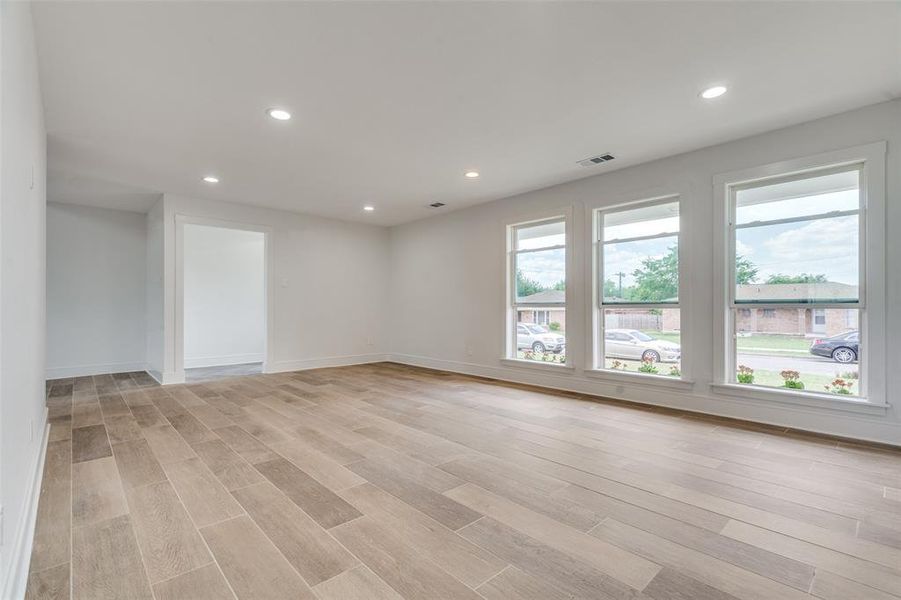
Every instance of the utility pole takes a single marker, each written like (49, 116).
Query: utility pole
(620, 275)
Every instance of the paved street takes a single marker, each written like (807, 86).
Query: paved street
(811, 364)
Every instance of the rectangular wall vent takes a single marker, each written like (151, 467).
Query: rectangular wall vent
(596, 160)
(436, 204)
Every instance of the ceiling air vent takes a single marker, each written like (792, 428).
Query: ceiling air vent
(596, 160)
(436, 204)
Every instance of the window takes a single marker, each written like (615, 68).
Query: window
(637, 281)
(538, 291)
(796, 257)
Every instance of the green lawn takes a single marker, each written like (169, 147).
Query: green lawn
(631, 366)
(812, 383)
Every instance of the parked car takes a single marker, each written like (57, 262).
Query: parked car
(842, 348)
(637, 345)
(538, 338)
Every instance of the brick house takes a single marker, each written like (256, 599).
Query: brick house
(544, 315)
(788, 321)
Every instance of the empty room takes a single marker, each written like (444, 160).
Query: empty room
(450, 300)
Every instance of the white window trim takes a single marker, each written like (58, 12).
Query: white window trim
(510, 346)
(663, 381)
(872, 256)
(596, 367)
(536, 364)
(758, 393)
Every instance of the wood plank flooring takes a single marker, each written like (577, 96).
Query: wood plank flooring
(390, 482)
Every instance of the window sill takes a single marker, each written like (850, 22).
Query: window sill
(533, 364)
(663, 381)
(809, 399)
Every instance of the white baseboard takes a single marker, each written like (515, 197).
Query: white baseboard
(221, 361)
(155, 374)
(283, 366)
(167, 378)
(15, 580)
(102, 369)
(861, 427)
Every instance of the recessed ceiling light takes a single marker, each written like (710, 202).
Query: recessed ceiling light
(278, 114)
(713, 92)
(369, 208)
(211, 179)
(471, 174)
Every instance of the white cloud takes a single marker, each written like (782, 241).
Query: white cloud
(827, 246)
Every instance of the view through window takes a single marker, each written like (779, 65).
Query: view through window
(638, 289)
(796, 295)
(539, 291)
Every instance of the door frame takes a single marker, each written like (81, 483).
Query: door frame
(268, 292)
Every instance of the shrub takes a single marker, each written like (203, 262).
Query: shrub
(674, 371)
(849, 375)
(554, 326)
(840, 386)
(647, 366)
(792, 379)
(745, 374)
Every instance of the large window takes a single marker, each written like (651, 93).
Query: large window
(538, 291)
(796, 292)
(638, 289)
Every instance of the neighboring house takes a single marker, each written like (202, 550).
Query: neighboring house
(544, 315)
(789, 320)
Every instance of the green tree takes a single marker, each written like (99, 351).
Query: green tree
(802, 278)
(611, 290)
(657, 279)
(526, 286)
(560, 286)
(745, 270)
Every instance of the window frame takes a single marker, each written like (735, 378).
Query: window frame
(513, 306)
(807, 174)
(870, 160)
(598, 277)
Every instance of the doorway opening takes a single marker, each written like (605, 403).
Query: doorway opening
(223, 296)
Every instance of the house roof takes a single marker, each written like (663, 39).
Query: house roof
(545, 297)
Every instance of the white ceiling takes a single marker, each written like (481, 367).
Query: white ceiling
(392, 102)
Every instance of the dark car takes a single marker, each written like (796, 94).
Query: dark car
(843, 348)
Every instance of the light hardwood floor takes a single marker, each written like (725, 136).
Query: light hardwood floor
(386, 482)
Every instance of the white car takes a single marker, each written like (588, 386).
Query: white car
(636, 345)
(538, 338)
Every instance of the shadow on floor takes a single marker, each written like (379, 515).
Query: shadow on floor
(224, 372)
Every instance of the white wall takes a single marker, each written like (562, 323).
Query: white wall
(224, 298)
(448, 274)
(154, 303)
(328, 297)
(22, 216)
(96, 264)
